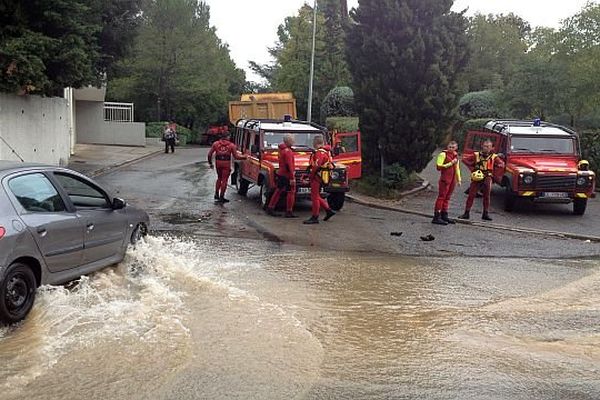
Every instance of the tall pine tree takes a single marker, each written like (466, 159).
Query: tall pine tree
(405, 57)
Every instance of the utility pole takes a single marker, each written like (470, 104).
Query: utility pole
(312, 65)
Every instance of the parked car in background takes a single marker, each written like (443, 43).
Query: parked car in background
(56, 225)
(543, 162)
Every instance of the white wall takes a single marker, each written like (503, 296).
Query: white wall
(36, 127)
(92, 129)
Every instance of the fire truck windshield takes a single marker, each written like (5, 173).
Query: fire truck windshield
(537, 144)
(273, 139)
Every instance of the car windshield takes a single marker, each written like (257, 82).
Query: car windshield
(273, 139)
(550, 145)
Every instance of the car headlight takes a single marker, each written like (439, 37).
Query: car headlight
(528, 179)
(584, 180)
(335, 175)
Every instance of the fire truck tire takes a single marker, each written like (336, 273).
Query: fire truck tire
(265, 195)
(579, 206)
(241, 184)
(510, 199)
(336, 200)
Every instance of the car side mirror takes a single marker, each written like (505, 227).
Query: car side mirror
(118, 204)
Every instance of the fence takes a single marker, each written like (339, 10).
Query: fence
(118, 112)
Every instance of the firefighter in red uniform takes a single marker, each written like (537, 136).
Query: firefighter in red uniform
(320, 162)
(223, 150)
(448, 165)
(482, 165)
(286, 178)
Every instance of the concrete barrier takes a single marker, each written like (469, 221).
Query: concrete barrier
(36, 128)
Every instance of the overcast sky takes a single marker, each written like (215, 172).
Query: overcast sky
(250, 26)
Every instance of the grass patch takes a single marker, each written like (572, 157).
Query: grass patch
(396, 180)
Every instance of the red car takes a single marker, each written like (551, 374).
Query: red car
(543, 162)
(259, 140)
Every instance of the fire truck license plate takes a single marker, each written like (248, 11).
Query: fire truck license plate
(304, 190)
(555, 195)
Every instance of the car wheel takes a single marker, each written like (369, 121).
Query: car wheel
(17, 293)
(336, 201)
(138, 234)
(510, 199)
(265, 195)
(579, 206)
(241, 184)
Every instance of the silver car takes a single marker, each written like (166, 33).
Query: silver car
(56, 225)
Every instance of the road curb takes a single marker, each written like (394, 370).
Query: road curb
(500, 227)
(107, 169)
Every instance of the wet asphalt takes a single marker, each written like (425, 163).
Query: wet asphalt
(177, 190)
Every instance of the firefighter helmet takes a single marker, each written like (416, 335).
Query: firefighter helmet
(477, 176)
(583, 165)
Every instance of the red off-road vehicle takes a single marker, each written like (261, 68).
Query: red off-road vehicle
(259, 140)
(543, 162)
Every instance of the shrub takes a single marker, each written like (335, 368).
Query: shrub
(479, 105)
(396, 180)
(590, 146)
(339, 102)
(155, 130)
(342, 124)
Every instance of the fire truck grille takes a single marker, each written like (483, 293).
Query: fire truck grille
(546, 182)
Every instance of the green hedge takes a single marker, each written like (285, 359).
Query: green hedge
(155, 130)
(590, 147)
(342, 124)
(479, 104)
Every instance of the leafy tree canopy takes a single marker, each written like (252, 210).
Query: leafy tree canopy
(405, 57)
(48, 45)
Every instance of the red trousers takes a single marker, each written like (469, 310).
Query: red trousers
(445, 190)
(315, 197)
(222, 177)
(487, 192)
(289, 200)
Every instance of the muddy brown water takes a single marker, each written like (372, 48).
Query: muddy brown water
(182, 319)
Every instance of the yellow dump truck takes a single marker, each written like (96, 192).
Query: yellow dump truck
(262, 106)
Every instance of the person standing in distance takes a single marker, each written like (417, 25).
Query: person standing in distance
(482, 164)
(223, 150)
(449, 166)
(286, 178)
(320, 161)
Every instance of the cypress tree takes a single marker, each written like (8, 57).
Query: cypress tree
(405, 57)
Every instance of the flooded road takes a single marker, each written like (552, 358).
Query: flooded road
(214, 319)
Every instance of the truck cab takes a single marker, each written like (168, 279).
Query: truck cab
(543, 162)
(259, 139)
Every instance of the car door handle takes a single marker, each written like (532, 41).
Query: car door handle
(42, 231)
(90, 227)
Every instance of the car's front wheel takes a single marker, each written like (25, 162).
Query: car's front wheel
(138, 234)
(17, 293)
(579, 206)
(265, 195)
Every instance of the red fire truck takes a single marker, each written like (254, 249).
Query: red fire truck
(543, 162)
(259, 140)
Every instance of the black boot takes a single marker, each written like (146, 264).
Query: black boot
(290, 215)
(485, 216)
(272, 212)
(312, 220)
(445, 218)
(329, 214)
(222, 199)
(466, 215)
(217, 197)
(437, 220)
